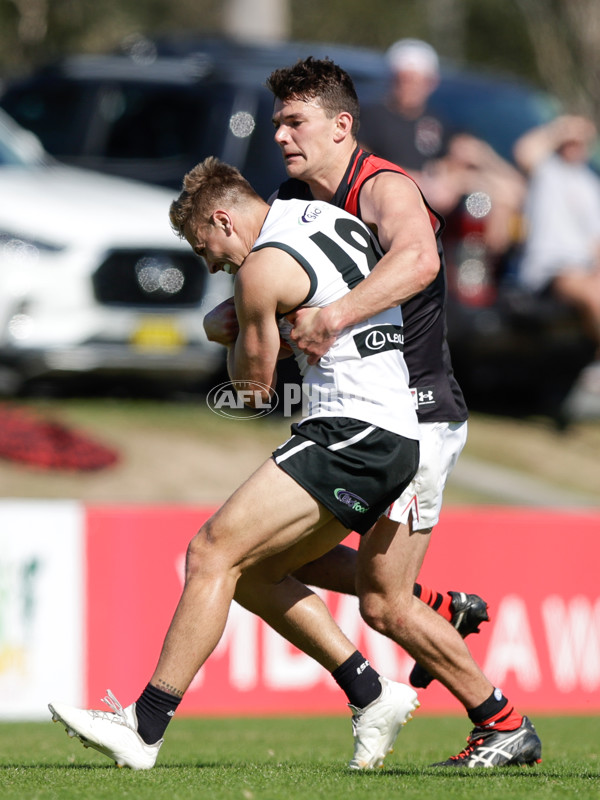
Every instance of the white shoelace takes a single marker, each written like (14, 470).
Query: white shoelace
(116, 713)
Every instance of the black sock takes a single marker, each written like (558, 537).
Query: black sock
(496, 713)
(490, 708)
(357, 678)
(154, 710)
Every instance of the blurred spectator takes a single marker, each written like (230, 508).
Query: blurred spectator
(401, 128)
(471, 167)
(447, 164)
(561, 253)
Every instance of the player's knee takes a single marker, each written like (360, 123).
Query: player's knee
(370, 611)
(204, 556)
(375, 611)
(382, 615)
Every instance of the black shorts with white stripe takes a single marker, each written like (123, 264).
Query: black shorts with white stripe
(353, 468)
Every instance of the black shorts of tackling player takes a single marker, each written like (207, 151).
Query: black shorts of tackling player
(356, 470)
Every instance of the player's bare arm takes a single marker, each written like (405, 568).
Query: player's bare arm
(392, 206)
(269, 283)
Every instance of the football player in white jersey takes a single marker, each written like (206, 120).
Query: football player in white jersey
(346, 461)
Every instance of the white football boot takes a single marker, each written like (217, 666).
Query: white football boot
(376, 726)
(113, 733)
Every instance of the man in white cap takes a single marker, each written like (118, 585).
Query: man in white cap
(447, 163)
(401, 129)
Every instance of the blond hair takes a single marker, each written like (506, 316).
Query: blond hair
(209, 184)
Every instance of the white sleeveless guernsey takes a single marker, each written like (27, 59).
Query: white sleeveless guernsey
(363, 376)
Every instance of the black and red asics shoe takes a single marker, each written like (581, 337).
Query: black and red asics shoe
(487, 747)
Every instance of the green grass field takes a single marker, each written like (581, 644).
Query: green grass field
(280, 758)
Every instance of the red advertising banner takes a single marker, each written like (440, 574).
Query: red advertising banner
(538, 570)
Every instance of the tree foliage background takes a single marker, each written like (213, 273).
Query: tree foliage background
(553, 43)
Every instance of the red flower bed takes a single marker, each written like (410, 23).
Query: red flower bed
(29, 439)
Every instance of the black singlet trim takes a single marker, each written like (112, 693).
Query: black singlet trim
(347, 182)
(305, 266)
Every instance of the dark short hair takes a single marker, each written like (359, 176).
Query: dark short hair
(322, 79)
